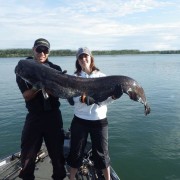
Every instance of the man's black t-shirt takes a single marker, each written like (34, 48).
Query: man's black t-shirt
(38, 103)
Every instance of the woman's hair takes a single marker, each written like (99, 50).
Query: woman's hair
(92, 66)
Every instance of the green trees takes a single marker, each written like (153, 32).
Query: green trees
(67, 52)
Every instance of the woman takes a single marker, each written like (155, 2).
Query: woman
(89, 118)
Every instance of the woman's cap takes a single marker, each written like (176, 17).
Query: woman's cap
(42, 42)
(83, 50)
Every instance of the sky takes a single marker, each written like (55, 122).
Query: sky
(143, 25)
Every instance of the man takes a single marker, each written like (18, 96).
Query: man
(43, 121)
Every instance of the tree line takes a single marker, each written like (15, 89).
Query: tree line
(67, 52)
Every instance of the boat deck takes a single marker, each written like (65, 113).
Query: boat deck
(43, 169)
(11, 166)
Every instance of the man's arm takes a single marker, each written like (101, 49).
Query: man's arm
(30, 93)
(26, 89)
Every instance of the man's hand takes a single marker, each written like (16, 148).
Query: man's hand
(118, 92)
(87, 100)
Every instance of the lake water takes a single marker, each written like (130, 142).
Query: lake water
(141, 147)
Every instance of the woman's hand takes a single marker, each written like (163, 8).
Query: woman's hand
(118, 92)
(87, 100)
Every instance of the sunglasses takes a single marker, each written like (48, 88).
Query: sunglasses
(43, 49)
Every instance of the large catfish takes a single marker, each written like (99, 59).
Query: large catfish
(66, 86)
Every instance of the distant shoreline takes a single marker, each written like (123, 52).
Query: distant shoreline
(67, 52)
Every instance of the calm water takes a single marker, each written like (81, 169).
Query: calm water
(141, 147)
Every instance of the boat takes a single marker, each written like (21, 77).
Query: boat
(11, 166)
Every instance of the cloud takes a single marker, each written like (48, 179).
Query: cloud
(99, 24)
